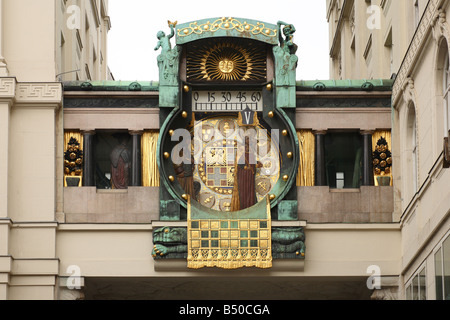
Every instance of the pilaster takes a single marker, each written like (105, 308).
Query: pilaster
(28, 130)
(7, 94)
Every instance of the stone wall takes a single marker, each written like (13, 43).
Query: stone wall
(89, 205)
(364, 205)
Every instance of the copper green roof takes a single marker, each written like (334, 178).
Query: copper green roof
(111, 86)
(303, 85)
(346, 85)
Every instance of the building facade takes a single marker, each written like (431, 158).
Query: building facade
(369, 39)
(81, 40)
(93, 231)
(348, 199)
(112, 235)
(35, 56)
(418, 46)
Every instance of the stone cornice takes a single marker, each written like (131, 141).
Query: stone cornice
(32, 94)
(431, 14)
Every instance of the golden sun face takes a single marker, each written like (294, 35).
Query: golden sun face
(226, 61)
(226, 66)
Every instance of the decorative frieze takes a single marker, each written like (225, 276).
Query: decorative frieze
(34, 93)
(39, 93)
(7, 87)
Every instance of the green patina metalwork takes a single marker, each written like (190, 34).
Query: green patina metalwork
(344, 85)
(288, 243)
(168, 64)
(288, 210)
(284, 91)
(301, 85)
(149, 86)
(286, 62)
(171, 243)
(227, 27)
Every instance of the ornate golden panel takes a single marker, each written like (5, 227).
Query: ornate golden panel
(226, 60)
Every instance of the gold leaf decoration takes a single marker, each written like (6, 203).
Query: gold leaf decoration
(227, 24)
(230, 60)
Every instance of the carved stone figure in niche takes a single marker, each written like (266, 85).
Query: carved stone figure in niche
(286, 60)
(120, 163)
(168, 59)
(244, 192)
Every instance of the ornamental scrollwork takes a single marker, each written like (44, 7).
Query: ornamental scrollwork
(227, 24)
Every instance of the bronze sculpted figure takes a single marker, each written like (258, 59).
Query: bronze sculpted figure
(168, 59)
(285, 66)
(285, 56)
(287, 44)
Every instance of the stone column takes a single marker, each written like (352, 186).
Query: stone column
(33, 120)
(5, 109)
(136, 162)
(367, 159)
(89, 159)
(320, 169)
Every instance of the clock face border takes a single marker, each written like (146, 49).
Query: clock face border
(273, 117)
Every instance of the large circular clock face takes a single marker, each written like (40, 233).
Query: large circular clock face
(218, 144)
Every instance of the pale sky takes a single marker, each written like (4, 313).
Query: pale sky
(135, 24)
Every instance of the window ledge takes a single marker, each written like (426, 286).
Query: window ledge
(345, 190)
(109, 191)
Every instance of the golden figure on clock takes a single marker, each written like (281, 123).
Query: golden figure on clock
(234, 168)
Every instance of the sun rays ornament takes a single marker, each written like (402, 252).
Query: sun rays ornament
(227, 61)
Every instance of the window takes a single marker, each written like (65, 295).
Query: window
(416, 14)
(412, 150)
(112, 160)
(340, 180)
(414, 155)
(343, 156)
(62, 68)
(417, 289)
(442, 271)
(446, 95)
(388, 44)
